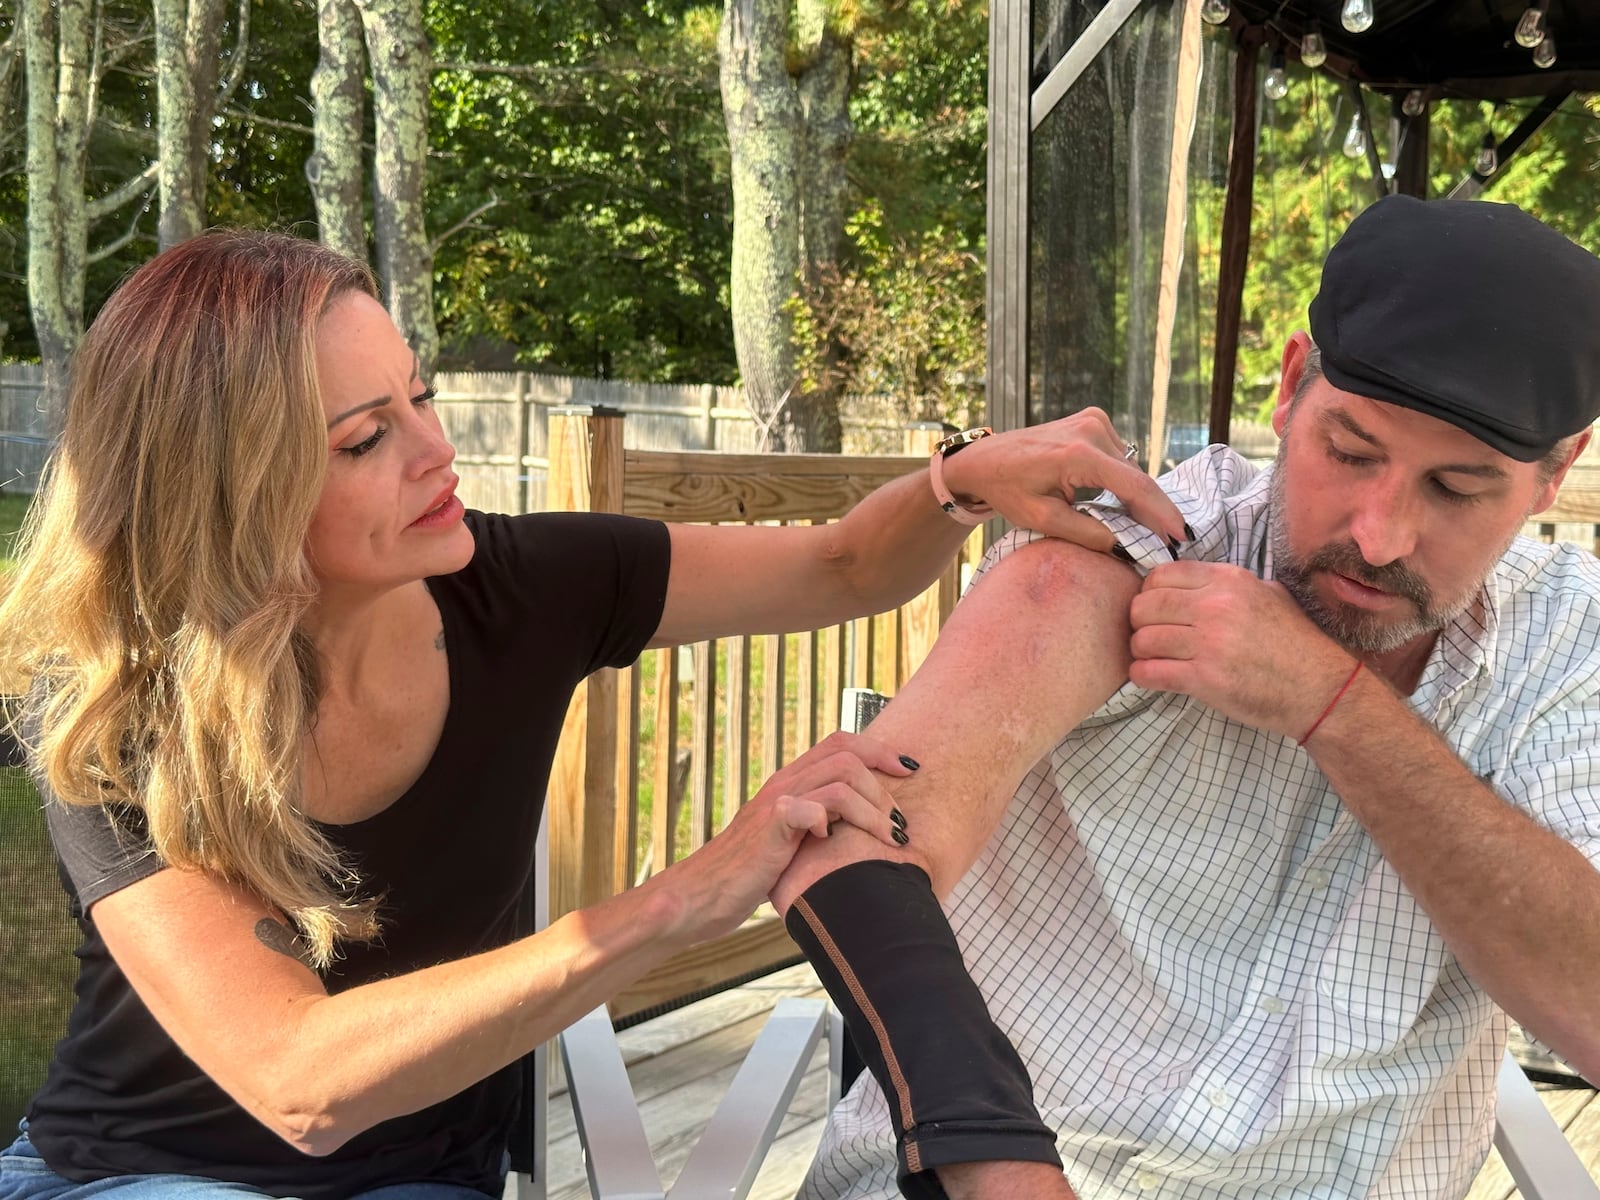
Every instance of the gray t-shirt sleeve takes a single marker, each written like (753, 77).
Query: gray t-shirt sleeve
(101, 849)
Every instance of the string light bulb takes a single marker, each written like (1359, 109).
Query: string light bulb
(1414, 103)
(1355, 141)
(1276, 85)
(1487, 162)
(1530, 29)
(1357, 15)
(1544, 54)
(1313, 50)
(1215, 12)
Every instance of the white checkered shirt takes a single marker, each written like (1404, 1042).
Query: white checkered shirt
(1220, 987)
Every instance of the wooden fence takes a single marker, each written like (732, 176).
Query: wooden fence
(657, 757)
(498, 422)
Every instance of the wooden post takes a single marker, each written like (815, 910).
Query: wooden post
(585, 476)
(703, 744)
(1235, 234)
(920, 616)
(736, 768)
(1183, 109)
(524, 444)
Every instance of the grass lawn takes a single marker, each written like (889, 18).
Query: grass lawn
(12, 507)
(36, 935)
(36, 942)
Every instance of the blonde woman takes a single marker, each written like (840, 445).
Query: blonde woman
(293, 710)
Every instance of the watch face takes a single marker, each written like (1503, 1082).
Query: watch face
(966, 437)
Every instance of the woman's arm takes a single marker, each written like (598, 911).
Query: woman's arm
(220, 970)
(764, 579)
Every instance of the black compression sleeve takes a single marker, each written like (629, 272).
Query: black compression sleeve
(956, 1087)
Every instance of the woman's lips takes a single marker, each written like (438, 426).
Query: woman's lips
(446, 512)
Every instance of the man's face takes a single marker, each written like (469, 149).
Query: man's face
(1387, 521)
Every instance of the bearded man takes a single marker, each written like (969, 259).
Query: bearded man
(1250, 858)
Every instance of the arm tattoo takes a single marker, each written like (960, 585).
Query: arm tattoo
(438, 642)
(275, 935)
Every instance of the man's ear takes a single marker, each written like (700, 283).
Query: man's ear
(1294, 362)
(1547, 494)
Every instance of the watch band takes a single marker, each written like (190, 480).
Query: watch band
(960, 513)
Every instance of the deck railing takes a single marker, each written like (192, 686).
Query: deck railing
(654, 759)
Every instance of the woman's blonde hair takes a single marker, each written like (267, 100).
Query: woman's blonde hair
(162, 573)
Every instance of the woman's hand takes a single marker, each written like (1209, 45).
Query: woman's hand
(1029, 476)
(721, 884)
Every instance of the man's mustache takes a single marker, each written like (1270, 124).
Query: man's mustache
(1345, 558)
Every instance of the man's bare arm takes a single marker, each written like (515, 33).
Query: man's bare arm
(1038, 644)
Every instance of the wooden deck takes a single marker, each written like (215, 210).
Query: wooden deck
(681, 1064)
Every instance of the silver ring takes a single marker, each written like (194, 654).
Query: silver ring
(1130, 451)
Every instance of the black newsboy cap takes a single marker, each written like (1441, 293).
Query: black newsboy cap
(1471, 312)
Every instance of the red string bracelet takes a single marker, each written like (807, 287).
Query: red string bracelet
(1351, 678)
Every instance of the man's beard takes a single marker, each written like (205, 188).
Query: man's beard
(1354, 628)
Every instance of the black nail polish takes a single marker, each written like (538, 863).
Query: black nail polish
(1118, 550)
(898, 817)
(1172, 548)
(899, 836)
(909, 763)
(1188, 532)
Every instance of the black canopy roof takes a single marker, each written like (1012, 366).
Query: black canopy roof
(1449, 48)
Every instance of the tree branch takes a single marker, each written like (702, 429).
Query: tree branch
(472, 216)
(241, 53)
(104, 206)
(243, 114)
(544, 71)
(132, 232)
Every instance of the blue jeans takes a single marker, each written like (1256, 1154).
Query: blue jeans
(24, 1176)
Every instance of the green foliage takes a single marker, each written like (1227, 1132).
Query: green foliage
(909, 319)
(904, 314)
(1307, 191)
(607, 252)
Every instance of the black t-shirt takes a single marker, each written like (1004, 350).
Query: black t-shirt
(546, 600)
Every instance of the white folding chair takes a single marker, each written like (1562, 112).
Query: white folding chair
(616, 1151)
(726, 1159)
(1535, 1150)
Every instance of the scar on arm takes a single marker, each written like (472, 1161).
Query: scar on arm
(275, 935)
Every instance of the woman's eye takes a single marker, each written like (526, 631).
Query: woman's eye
(425, 399)
(369, 444)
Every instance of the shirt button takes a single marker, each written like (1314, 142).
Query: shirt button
(1319, 879)
(1218, 1097)
(1272, 1005)
(1148, 1181)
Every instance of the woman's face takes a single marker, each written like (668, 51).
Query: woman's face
(388, 514)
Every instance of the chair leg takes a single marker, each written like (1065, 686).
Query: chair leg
(616, 1152)
(1535, 1149)
(728, 1156)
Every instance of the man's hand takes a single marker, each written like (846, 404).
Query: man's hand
(1236, 643)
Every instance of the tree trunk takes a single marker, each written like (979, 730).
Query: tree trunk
(334, 169)
(188, 62)
(788, 134)
(827, 72)
(59, 84)
(397, 48)
(762, 111)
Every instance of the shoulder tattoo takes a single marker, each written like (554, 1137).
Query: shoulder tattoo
(275, 935)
